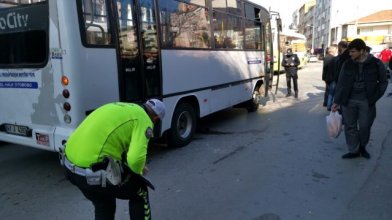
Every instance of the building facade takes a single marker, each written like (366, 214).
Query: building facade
(375, 29)
(322, 25)
(335, 20)
(306, 21)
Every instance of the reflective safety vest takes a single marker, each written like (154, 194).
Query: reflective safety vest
(111, 130)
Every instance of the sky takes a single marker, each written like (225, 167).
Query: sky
(284, 7)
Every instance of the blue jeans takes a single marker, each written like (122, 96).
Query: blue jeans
(331, 94)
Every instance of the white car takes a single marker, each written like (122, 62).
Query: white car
(313, 59)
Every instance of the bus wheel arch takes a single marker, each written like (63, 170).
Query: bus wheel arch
(253, 104)
(184, 122)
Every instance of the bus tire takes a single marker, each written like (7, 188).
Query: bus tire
(183, 125)
(253, 104)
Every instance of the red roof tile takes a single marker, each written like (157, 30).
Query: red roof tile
(380, 16)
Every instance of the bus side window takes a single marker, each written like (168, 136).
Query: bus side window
(252, 30)
(96, 22)
(184, 25)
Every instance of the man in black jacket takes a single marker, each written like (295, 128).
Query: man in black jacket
(327, 74)
(334, 67)
(290, 63)
(362, 82)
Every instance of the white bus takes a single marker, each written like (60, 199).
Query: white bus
(61, 59)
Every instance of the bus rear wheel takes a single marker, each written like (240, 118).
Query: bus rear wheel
(253, 104)
(183, 125)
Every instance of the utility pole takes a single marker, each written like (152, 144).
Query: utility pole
(313, 38)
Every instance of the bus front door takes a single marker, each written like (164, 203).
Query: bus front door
(138, 50)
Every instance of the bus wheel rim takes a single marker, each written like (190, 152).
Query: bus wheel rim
(184, 125)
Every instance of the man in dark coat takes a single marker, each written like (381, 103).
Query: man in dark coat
(334, 67)
(327, 74)
(290, 63)
(362, 82)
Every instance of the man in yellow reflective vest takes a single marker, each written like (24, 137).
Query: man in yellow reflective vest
(105, 157)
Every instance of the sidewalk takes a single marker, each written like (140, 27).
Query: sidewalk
(374, 201)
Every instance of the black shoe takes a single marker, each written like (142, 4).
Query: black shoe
(364, 153)
(296, 95)
(288, 94)
(350, 155)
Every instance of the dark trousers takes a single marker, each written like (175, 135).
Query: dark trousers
(104, 198)
(326, 93)
(358, 119)
(331, 94)
(290, 76)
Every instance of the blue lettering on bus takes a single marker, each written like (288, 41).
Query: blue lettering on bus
(17, 74)
(254, 61)
(20, 85)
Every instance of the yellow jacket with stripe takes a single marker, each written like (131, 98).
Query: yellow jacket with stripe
(109, 131)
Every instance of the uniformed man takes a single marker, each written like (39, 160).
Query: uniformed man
(105, 157)
(290, 63)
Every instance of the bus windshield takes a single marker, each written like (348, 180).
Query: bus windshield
(23, 33)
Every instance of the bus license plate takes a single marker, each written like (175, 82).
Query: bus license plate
(18, 130)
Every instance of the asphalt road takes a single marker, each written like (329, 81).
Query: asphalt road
(275, 164)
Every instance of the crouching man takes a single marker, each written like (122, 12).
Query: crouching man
(105, 157)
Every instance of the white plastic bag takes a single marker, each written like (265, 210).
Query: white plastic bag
(334, 124)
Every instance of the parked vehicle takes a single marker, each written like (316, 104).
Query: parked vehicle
(313, 59)
(60, 60)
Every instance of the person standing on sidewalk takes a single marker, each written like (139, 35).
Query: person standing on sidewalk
(327, 74)
(362, 82)
(385, 55)
(290, 63)
(335, 66)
